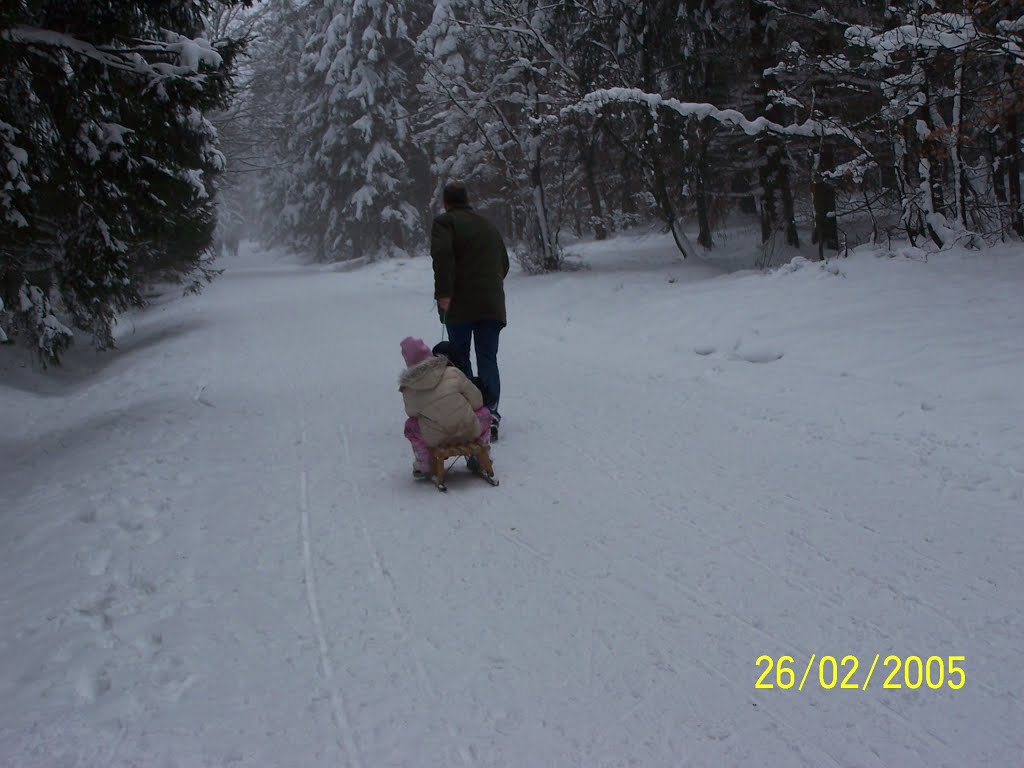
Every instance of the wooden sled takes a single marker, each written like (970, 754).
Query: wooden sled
(481, 452)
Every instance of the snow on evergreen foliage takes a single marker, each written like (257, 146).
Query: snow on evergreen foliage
(106, 159)
(349, 189)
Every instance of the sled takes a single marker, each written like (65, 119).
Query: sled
(479, 451)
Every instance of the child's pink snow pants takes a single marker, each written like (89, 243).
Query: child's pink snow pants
(421, 451)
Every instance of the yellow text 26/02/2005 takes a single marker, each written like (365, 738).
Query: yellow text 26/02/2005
(848, 673)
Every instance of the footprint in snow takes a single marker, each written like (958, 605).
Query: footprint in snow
(91, 684)
(95, 562)
(87, 515)
(154, 534)
(759, 355)
(130, 526)
(148, 511)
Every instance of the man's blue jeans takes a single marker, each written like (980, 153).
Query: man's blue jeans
(484, 336)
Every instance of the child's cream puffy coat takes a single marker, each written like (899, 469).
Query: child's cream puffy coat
(444, 401)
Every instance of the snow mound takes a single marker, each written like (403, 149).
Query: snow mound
(799, 263)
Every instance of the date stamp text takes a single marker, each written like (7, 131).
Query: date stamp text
(848, 673)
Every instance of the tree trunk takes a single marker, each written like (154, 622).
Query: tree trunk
(660, 190)
(1013, 167)
(704, 238)
(997, 162)
(775, 184)
(548, 255)
(771, 149)
(904, 144)
(628, 204)
(590, 181)
(357, 244)
(934, 148)
(959, 175)
(932, 195)
(788, 208)
(826, 232)
(932, 174)
(767, 170)
(742, 181)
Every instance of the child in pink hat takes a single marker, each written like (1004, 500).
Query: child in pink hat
(444, 407)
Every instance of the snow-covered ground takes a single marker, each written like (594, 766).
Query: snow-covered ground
(214, 553)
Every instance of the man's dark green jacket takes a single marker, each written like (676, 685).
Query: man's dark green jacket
(470, 266)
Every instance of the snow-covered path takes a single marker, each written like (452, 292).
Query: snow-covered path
(214, 553)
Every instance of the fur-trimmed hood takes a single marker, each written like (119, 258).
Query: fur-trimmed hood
(443, 399)
(425, 375)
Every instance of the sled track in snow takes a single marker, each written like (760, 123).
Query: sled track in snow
(338, 709)
(425, 682)
(339, 712)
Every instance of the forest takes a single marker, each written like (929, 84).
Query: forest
(138, 141)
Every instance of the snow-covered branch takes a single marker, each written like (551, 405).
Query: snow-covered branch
(190, 54)
(932, 32)
(729, 118)
(928, 32)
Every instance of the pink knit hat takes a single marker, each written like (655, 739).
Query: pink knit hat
(415, 351)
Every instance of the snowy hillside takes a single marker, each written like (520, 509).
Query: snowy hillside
(214, 553)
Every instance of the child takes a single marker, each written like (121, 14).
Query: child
(447, 349)
(443, 406)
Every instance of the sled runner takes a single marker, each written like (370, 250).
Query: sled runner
(472, 451)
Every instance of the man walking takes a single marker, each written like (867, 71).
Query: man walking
(470, 266)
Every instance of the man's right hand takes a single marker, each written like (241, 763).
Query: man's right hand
(444, 303)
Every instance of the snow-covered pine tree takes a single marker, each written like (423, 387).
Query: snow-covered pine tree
(105, 159)
(357, 183)
(244, 126)
(462, 142)
(271, 96)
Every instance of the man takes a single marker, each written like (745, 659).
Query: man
(470, 266)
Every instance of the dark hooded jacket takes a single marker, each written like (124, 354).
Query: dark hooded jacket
(470, 266)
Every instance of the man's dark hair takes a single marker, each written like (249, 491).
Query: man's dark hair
(456, 194)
